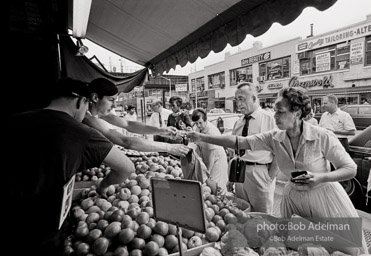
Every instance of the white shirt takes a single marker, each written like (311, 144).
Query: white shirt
(132, 117)
(339, 120)
(312, 121)
(154, 120)
(261, 121)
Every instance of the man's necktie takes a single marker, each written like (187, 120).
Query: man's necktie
(160, 119)
(245, 130)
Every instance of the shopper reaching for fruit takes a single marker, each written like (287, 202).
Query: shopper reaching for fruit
(42, 164)
(104, 94)
(298, 145)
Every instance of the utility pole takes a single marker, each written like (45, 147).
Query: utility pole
(169, 84)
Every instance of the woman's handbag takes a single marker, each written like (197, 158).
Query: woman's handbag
(237, 167)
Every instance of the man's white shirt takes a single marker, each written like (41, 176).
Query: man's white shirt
(154, 120)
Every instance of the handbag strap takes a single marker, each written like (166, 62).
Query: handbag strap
(238, 147)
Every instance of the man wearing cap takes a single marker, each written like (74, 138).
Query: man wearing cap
(42, 162)
(104, 94)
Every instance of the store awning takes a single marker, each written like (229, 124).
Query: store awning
(161, 34)
(82, 68)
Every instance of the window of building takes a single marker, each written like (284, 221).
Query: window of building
(154, 92)
(275, 69)
(326, 59)
(241, 75)
(368, 51)
(347, 99)
(200, 84)
(216, 80)
(193, 85)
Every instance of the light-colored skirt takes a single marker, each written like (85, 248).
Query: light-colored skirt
(327, 200)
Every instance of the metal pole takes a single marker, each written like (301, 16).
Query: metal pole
(196, 95)
(170, 88)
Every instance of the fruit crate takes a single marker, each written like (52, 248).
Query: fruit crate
(194, 251)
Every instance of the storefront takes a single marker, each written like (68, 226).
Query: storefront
(202, 99)
(336, 63)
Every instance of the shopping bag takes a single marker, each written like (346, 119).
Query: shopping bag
(193, 167)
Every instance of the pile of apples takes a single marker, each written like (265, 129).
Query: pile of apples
(123, 223)
(164, 165)
(93, 174)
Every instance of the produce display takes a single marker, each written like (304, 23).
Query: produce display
(144, 162)
(123, 223)
(163, 166)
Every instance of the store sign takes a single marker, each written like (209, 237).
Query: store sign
(323, 62)
(256, 58)
(335, 38)
(199, 94)
(181, 87)
(296, 66)
(356, 53)
(138, 94)
(325, 82)
(275, 86)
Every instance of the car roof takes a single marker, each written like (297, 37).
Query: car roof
(355, 105)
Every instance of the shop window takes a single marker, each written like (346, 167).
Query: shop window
(325, 59)
(216, 80)
(275, 69)
(241, 75)
(263, 69)
(347, 100)
(368, 51)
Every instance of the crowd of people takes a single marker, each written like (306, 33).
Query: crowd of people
(78, 130)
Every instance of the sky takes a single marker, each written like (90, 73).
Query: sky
(341, 14)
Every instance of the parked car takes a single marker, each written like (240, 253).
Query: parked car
(356, 188)
(361, 115)
(216, 111)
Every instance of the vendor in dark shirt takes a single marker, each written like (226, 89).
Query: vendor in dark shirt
(44, 150)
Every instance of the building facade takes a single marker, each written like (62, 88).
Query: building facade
(337, 62)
